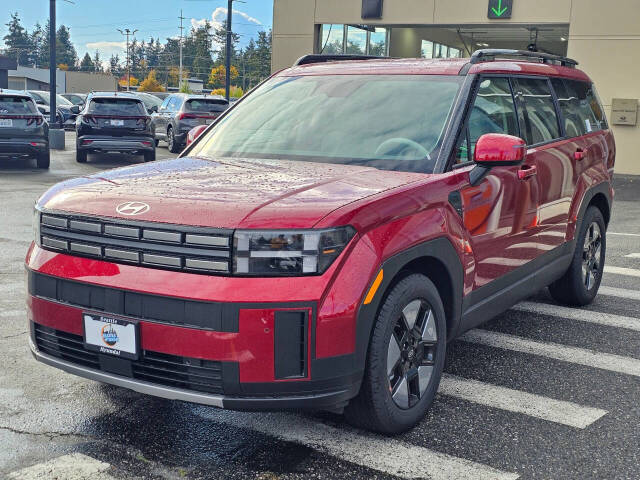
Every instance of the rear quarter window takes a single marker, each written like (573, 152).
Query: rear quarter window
(17, 106)
(581, 108)
(206, 105)
(117, 106)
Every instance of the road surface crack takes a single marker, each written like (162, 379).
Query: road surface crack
(49, 435)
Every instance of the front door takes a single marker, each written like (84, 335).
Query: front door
(500, 211)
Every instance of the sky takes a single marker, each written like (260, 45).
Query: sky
(94, 23)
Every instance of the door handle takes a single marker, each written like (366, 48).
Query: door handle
(527, 171)
(579, 154)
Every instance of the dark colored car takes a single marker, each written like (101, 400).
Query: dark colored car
(75, 98)
(114, 122)
(322, 242)
(23, 129)
(151, 102)
(65, 111)
(160, 95)
(180, 112)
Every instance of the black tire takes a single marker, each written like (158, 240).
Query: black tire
(43, 160)
(150, 156)
(374, 408)
(157, 142)
(81, 156)
(174, 147)
(576, 287)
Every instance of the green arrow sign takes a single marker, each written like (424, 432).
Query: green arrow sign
(500, 9)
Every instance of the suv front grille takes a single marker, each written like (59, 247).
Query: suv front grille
(176, 247)
(153, 367)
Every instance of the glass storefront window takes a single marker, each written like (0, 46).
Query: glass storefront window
(332, 39)
(378, 42)
(427, 49)
(356, 41)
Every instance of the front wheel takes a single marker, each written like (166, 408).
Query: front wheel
(405, 359)
(579, 285)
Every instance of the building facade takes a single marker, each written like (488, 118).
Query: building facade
(603, 37)
(29, 78)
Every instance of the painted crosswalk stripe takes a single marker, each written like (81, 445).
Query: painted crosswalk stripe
(383, 454)
(633, 255)
(552, 410)
(599, 318)
(580, 356)
(75, 466)
(619, 292)
(630, 272)
(624, 234)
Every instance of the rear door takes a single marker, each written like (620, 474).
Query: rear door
(117, 117)
(552, 155)
(19, 117)
(500, 211)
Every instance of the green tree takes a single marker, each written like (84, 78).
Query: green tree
(86, 64)
(202, 61)
(97, 63)
(17, 40)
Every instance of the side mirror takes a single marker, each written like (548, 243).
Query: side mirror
(496, 150)
(75, 109)
(153, 109)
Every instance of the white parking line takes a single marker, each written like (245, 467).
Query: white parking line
(379, 453)
(552, 410)
(633, 255)
(624, 234)
(600, 318)
(580, 356)
(630, 272)
(619, 292)
(75, 466)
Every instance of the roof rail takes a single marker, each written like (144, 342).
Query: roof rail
(319, 58)
(490, 54)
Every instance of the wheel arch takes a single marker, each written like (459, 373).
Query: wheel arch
(439, 261)
(600, 196)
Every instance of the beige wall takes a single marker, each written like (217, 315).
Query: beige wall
(604, 37)
(81, 82)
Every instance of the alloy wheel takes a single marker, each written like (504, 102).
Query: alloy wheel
(411, 354)
(591, 255)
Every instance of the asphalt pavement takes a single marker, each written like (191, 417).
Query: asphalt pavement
(542, 391)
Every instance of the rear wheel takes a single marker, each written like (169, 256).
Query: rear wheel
(157, 142)
(172, 142)
(150, 156)
(43, 159)
(579, 285)
(405, 359)
(81, 156)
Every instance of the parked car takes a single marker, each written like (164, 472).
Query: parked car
(75, 98)
(320, 247)
(65, 111)
(180, 112)
(160, 95)
(151, 102)
(23, 130)
(194, 133)
(114, 122)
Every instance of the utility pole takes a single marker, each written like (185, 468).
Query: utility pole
(181, 31)
(229, 46)
(128, 32)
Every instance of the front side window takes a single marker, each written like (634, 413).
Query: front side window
(391, 122)
(493, 111)
(540, 113)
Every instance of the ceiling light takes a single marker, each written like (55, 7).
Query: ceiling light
(563, 39)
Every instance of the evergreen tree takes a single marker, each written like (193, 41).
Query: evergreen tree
(87, 65)
(36, 39)
(202, 62)
(115, 67)
(17, 40)
(97, 62)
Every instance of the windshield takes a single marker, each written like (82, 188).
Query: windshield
(150, 101)
(391, 122)
(17, 106)
(46, 98)
(117, 106)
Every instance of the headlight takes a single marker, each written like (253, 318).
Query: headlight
(36, 225)
(286, 252)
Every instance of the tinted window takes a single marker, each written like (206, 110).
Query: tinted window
(493, 111)
(581, 108)
(165, 103)
(117, 106)
(390, 122)
(150, 101)
(17, 106)
(206, 105)
(540, 113)
(174, 104)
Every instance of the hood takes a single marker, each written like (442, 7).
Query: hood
(225, 193)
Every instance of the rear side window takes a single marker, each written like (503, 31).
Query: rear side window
(539, 110)
(206, 105)
(117, 106)
(17, 106)
(580, 106)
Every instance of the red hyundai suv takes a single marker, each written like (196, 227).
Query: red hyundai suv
(323, 240)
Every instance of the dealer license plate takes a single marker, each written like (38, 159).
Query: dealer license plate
(110, 336)
(117, 123)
